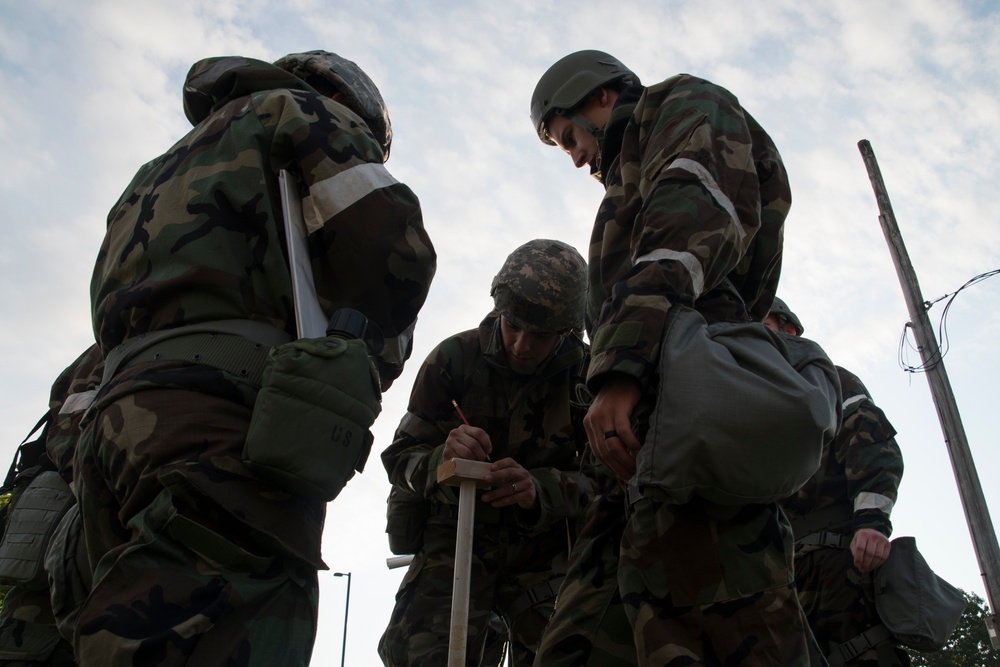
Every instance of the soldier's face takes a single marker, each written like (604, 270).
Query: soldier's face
(526, 350)
(573, 139)
(580, 145)
(773, 323)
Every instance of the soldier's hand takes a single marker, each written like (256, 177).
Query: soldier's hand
(609, 427)
(870, 549)
(511, 483)
(467, 442)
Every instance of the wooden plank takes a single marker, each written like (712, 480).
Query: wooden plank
(454, 471)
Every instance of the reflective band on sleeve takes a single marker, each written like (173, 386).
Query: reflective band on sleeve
(709, 182)
(853, 401)
(872, 501)
(331, 196)
(77, 402)
(687, 260)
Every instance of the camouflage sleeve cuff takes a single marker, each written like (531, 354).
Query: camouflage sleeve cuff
(561, 495)
(444, 493)
(874, 519)
(604, 366)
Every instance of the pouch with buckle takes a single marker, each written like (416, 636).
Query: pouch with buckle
(309, 432)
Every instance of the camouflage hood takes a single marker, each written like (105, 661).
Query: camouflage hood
(213, 82)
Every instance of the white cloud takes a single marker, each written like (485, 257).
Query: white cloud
(92, 90)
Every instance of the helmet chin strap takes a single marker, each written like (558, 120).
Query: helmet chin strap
(598, 133)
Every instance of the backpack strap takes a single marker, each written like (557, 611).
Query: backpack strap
(534, 595)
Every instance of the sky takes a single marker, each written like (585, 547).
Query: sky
(92, 90)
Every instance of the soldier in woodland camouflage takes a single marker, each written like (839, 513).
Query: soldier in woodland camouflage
(514, 378)
(841, 524)
(36, 626)
(198, 561)
(695, 203)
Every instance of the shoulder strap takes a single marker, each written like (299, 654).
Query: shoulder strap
(33, 450)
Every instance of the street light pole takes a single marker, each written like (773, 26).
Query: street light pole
(347, 609)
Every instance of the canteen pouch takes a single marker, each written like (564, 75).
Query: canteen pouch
(309, 432)
(919, 608)
(741, 415)
(33, 519)
(405, 516)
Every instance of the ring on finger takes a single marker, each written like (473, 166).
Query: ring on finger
(513, 487)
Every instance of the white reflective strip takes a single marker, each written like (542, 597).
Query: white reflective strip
(77, 402)
(687, 260)
(854, 400)
(709, 182)
(410, 471)
(872, 501)
(328, 198)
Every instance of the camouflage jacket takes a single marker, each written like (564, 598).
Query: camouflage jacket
(198, 236)
(856, 484)
(72, 393)
(696, 194)
(533, 419)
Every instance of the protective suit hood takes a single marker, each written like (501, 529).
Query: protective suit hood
(213, 82)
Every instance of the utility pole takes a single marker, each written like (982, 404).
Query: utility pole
(970, 491)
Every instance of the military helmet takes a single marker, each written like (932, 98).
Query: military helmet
(566, 84)
(362, 96)
(542, 286)
(781, 310)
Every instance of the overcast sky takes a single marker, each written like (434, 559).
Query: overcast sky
(91, 90)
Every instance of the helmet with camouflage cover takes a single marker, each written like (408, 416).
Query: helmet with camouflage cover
(785, 315)
(566, 84)
(542, 287)
(329, 73)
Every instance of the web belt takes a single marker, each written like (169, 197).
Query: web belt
(238, 347)
(825, 538)
(854, 647)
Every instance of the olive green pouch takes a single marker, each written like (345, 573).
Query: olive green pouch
(406, 515)
(309, 432)
(742, 413)
(33, 519)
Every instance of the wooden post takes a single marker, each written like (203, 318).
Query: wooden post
(467, 475)
(970, 491)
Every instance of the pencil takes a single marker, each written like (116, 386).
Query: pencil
(464, 420)
(460, 413)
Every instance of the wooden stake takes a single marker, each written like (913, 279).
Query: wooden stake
(467, 475)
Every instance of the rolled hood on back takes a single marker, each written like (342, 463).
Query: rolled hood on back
(213, 82)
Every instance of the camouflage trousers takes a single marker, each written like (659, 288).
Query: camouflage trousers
(710, 585)
(511, 575)
(28, 633)
(195, 561)
(590, 626)
(839, 604)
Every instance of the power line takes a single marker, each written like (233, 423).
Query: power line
(944, 345)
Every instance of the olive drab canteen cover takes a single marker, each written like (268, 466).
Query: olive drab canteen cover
(309, 432)
(919, 608)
